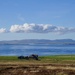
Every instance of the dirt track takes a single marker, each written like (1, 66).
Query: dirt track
(34, 69)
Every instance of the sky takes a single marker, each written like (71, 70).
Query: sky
(37, 19)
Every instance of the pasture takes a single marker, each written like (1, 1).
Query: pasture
(46, 65)
(65, 59)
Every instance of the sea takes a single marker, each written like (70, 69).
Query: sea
(41, 50)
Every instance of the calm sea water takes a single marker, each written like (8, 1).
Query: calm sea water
(17, 50)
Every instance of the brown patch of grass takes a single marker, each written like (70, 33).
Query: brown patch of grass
(37, 69)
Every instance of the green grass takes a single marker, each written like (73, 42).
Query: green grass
(42, 59)
(60, 61)
(59, 57)
(8, 58)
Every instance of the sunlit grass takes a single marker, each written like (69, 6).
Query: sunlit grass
(42, 59)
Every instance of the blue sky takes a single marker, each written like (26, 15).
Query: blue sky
(59, 14)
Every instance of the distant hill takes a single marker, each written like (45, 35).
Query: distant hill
(39, 42)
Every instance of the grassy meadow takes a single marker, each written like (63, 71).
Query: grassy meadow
(70, 59)
(46, 65)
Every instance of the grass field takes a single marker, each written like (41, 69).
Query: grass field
(46, 65)
(42, 59)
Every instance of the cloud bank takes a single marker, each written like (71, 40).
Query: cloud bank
(2, 30)
(38, 28)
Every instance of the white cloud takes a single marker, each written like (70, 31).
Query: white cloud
(33, 28)
(38, 28)
(21, 28)
(2, 30)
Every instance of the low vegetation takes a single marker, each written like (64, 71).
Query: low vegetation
(46, 65)
(42, 59)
